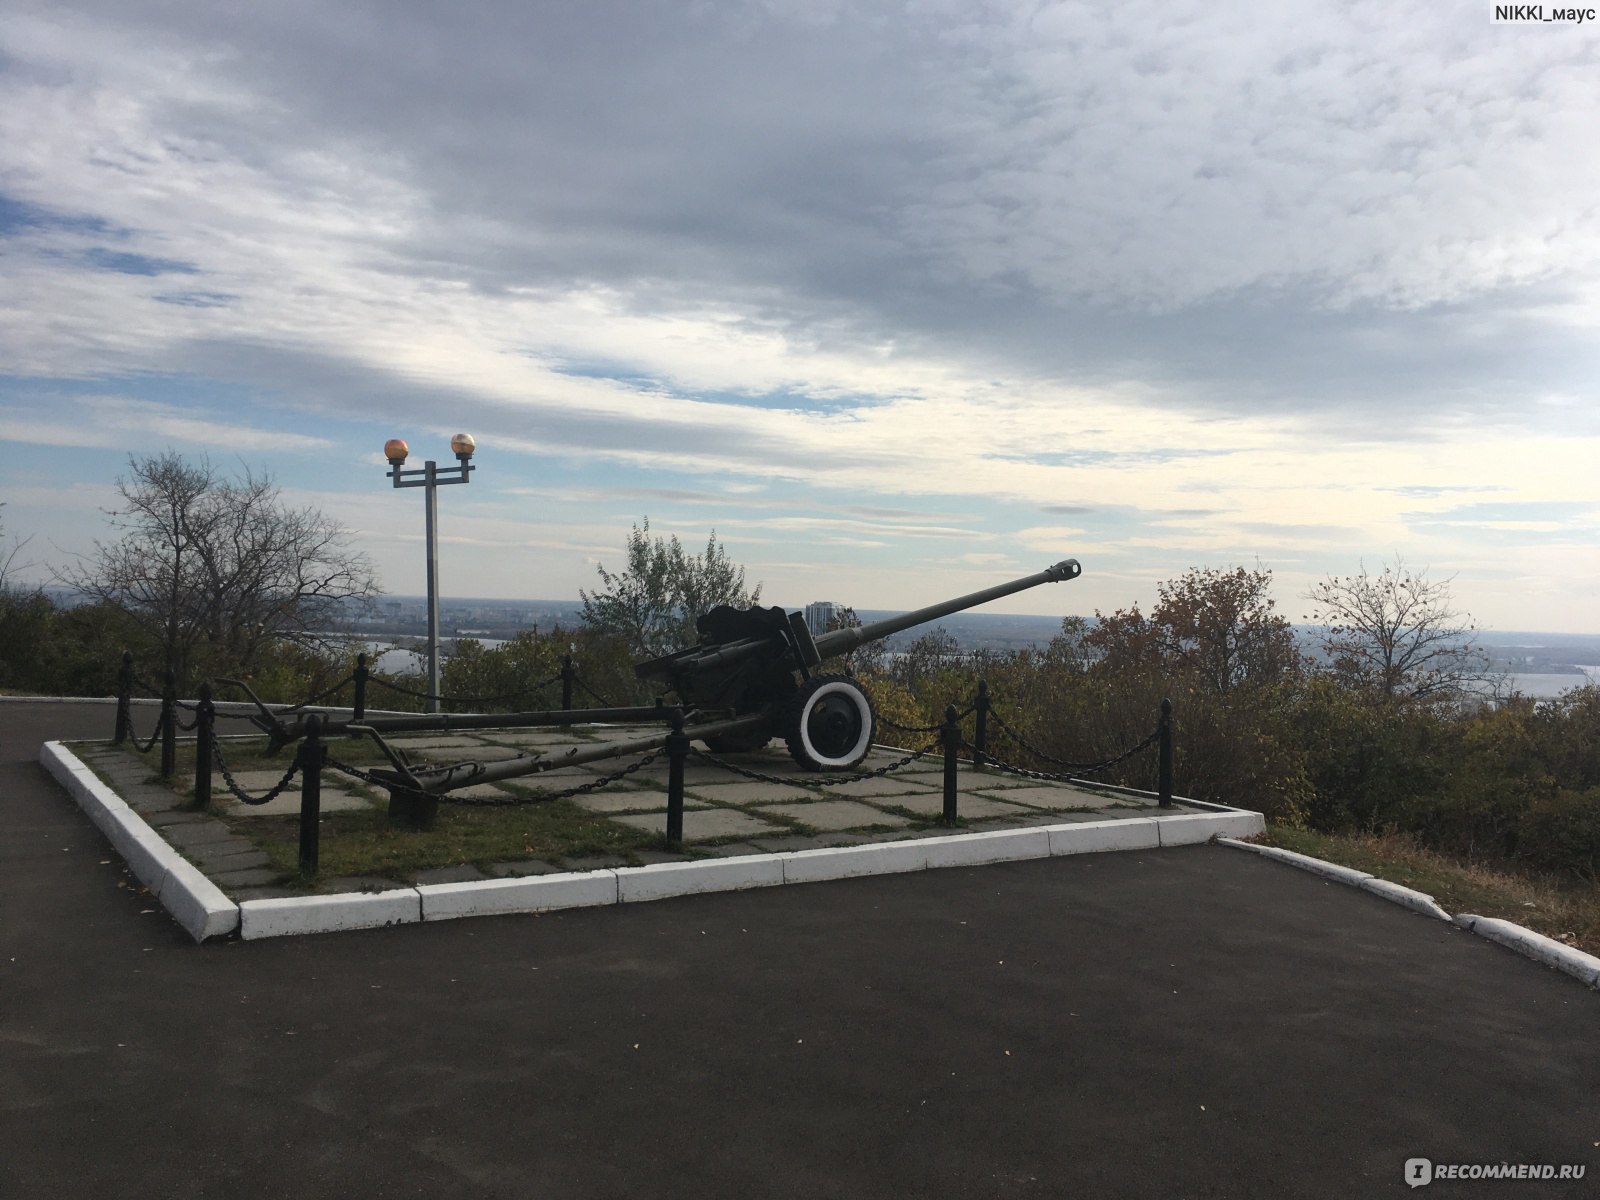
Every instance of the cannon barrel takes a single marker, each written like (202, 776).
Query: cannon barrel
(842, 641)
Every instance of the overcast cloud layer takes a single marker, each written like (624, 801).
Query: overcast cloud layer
(898, 298)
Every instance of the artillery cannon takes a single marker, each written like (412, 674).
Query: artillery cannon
(751, 677)
(764, 660)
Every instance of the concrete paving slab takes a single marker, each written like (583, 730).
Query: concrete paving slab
(931, 804)
(835, 814)
(287, 804)
(1055, 797)
(750, 791)
(703, 824)
(888, 785)
(635, 800)
(520, 870)
(253, 877)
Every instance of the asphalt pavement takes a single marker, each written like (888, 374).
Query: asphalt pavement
(1186, 1022)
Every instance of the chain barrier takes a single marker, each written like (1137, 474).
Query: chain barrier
(1089, 769)
(319, 697)
(155, 734)
(961, 716)
(813, 781)
(497, 699)
(1024, 745)
(238, 792)
(507, 800)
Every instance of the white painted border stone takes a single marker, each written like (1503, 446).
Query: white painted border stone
(976, 849)
(661, 880)
(1574, 962)
(1093, 837)
(1193, 828)
(1305, 862)
(194, 902)
(849, 862)
(328, 914)
(532, 893)
(1416, 901)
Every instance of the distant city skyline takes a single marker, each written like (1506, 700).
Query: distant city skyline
(901, 301)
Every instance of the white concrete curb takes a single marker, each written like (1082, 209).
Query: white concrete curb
(201, 908)
(1202, 827)
(327, 914)
(1305, 862)
(195, 903)
(1419, 902)
(1581, 966)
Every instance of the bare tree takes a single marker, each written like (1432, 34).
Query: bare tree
(1397, 635)
(214, 569)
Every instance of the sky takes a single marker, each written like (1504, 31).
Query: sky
(901, 300)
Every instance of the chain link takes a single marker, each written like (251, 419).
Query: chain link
(242, 795)
(405, 691)
(990, 759)
(154, 734)
(1024, 745)
(320, 696)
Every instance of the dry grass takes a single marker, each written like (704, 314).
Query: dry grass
(1567, 910)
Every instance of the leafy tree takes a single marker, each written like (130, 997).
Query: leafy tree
(1215, 628)
(214, 570)
(651, 605)
(1396, 636)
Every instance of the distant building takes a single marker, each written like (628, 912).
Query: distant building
(819, 615)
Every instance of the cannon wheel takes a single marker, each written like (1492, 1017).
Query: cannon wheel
(830, 723)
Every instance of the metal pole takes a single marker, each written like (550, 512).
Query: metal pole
(205, 734)
(568, 672)
(312, 753)
(951, 736)
(1164, 742)
(431, 522)
(677, 751)
(360, 703)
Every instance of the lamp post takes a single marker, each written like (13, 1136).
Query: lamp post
(431, 477)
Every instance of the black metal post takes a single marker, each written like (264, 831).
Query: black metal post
(360, 702)
(169, 725)
(568, 674)
(124, 700)
(677, 751)
(311, 755)
(1164, 743)
(951, 736)
(980, 734)
(205, 736)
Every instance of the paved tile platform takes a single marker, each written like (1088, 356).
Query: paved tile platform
(757, 806)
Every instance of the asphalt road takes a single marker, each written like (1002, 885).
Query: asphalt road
(1192, 1022)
